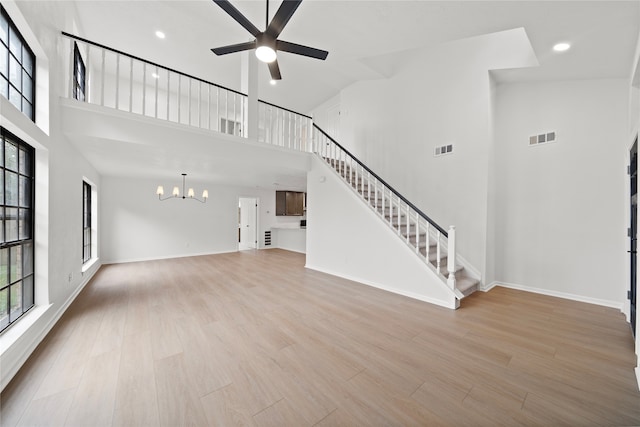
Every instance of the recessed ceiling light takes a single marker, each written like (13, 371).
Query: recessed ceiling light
(155, 75)
(273, 82)
(160, 34)
(561, 47)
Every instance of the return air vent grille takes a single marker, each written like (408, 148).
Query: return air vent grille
(543, 138)
(443, 149)
(267, 238)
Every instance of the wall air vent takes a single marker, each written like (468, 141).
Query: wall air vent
(543, 138)
(442, 150)
(267, 238)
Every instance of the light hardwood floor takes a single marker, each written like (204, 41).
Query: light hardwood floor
(253, 338)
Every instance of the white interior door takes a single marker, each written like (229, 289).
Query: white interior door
(248, 223)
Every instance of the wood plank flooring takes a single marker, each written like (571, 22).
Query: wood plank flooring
(255, 339)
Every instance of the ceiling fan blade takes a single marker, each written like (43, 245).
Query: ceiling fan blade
(239, 17)
(299, 49)
(282, 16)
(274, 69)
(234, 48)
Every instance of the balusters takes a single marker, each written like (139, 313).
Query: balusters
(451, 257)
(428, 242)
(418, 234)
(72, 94)
(102, 65)
(438, 252)
(131, 85)
(157, 78)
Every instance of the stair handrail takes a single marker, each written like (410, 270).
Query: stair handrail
(281, 127)
(155, 64)
(383, 182)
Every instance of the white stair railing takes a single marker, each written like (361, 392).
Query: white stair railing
(116, 79)
(422, 234)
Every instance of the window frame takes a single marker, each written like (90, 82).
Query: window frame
(22, 246)
(6, 79)
(86, 222)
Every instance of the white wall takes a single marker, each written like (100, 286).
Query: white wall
(59, 173)
(346, 238)
(560, 207)
(140, 227)
(439, 96)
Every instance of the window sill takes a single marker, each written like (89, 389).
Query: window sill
(87, 265)
(9, 337)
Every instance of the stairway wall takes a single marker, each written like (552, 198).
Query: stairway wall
(438, 95)
(346, 238)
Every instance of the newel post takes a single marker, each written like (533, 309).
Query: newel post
(451, 257)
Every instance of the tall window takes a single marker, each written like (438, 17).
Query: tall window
(86, 221)
(79, 73)
(16, 228)
(17, 67)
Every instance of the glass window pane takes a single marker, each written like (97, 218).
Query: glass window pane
(24, 224)
(27, 262)
(24, 197)
(15, 98)
(27, 293)
(11, 188)
(2, 187)
(15, 263)
(15, 72)
(4, 87)
(1, 224)
(27, 108)
(27, 85)
(15, 301)
(4, 60)
(4, 267)
(27, 61)
(4, 29)
(22, 160)
(11, 224)
(15, 45)
(11, 156)
(4, 308)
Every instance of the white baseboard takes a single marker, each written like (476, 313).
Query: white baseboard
(565, 295)
(638, 376)
(156, 258)
(441, 303)
(10, 368)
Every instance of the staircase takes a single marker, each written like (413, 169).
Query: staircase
(428, 240)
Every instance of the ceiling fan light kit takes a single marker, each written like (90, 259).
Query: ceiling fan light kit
(266, 43)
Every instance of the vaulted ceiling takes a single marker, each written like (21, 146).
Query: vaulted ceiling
(364, 38)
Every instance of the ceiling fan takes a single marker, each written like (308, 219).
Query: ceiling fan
(266, 43)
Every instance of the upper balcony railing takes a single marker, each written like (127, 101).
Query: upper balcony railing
(116, 79)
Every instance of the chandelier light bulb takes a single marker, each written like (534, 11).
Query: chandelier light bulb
(190, 193)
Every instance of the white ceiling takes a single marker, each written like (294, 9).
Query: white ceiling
(364, 38)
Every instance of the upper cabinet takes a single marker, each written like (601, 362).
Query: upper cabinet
(289, 203)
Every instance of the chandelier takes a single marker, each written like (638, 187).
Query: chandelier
(190, 194)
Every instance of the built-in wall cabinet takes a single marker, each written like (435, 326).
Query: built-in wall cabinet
(290, 203)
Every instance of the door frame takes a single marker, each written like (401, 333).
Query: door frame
(632, 236)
